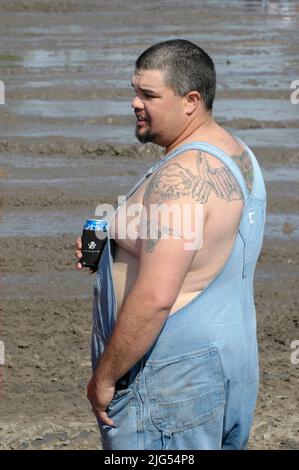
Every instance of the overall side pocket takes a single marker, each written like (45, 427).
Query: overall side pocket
(185, 390)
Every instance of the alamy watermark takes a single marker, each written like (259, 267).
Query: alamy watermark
(2, 92)
(294, 98)
(2, 353)
(155, 222)
(294, 357)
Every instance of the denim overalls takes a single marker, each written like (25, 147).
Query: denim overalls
(197, 386)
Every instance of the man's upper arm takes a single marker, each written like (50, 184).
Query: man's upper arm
(162, 269)
(177, 202)
(170, 232)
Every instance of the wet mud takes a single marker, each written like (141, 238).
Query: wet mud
(67, 144)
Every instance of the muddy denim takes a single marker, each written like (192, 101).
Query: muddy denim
(197, 386)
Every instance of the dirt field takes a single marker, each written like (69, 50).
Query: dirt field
(67, 144)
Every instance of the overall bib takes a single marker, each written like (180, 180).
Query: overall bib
(197, 386)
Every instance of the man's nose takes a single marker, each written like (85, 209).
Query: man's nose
(137, 103)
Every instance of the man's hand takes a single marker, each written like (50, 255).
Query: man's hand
(100, 395)
(79, 253)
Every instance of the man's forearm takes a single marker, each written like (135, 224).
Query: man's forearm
(139, 323)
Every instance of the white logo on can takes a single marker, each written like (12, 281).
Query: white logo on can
(92, 245)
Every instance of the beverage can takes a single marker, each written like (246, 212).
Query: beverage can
(95, 224)
(94, 238)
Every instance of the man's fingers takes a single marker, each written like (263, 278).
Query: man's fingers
(79, 243)
(104, 418)
(78, 253)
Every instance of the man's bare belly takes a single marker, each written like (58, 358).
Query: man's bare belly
(124, 272)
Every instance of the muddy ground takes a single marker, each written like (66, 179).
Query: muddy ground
(67, 144)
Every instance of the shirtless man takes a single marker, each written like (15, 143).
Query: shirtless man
(178, 319)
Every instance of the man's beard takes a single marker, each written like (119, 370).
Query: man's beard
(145, 137)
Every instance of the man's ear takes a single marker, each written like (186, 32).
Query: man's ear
(193, 99)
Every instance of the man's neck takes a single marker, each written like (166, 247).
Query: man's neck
(197, 127)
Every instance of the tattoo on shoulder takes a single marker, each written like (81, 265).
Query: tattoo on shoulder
(173, 181)
(245, 164)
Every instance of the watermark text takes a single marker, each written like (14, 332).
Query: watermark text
(2, 92)
(154, 222)
(294, 98)
(2, 353)
(294, 357)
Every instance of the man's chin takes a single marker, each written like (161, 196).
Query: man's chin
(145, 137)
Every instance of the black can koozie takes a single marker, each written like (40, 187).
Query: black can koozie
(94, 238)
